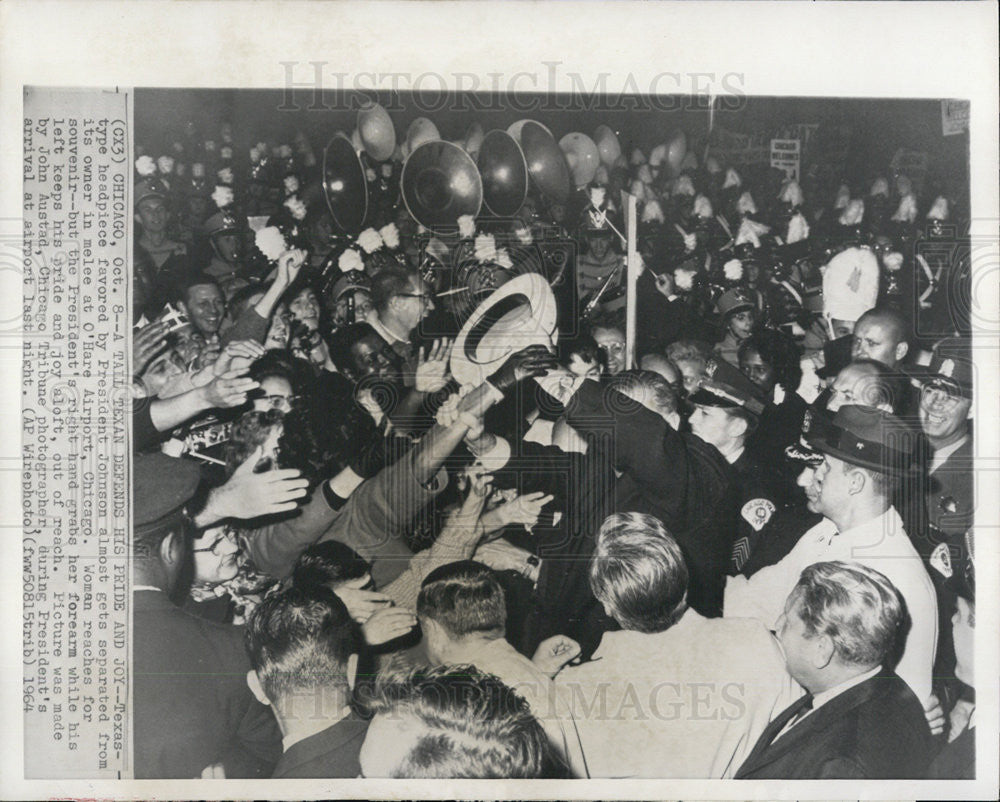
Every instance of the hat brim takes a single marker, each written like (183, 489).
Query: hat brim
(884, 460)
(520, 313)
(924, 375)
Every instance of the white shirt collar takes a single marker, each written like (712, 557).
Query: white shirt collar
(821, 699)
(384, 333)
(942, 454)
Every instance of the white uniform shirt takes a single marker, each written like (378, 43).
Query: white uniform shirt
(881, 544)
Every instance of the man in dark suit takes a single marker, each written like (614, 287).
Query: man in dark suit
(858, 719)
(304, 647)
(194, 715)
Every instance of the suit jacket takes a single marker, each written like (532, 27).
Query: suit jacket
(332, 752)
(678, 478)
(192, 705)
(874, 730)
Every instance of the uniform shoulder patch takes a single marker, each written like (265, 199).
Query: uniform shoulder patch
(757, 512)
(940, 560)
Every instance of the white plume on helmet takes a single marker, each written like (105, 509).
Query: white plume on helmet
(850, 284)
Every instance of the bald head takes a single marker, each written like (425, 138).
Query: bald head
(880, 334)
(658, 363)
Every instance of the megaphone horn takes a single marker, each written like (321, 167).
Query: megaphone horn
(377, 134)
(440, 183)
(344, 184)
(546, 162)
(504, 173)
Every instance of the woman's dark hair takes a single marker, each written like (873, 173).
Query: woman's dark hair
(779, 351)
(282, 363)
(248, 433)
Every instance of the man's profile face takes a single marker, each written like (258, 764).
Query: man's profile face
(205, 307)
(795, 642)
(587, 370)
(856, 384)
(229, 247)
(711, 424)
(152, 215)
(875, 339)
(830, 486)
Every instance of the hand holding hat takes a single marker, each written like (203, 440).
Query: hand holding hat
(535, 360)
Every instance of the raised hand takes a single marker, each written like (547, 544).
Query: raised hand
(524, 509)
(535, 360)
(361, 604)
(249, 495)
(388, 624)
(229, 390)
(289, 265)
(237, 356)
(432, 368)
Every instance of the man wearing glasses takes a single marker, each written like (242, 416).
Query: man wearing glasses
(401, 301)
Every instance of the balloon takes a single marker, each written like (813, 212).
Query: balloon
(607, 145)
(582, 156)
(377, 134)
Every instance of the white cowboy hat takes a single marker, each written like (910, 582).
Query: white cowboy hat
(520, 313)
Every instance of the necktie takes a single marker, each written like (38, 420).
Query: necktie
(794, 711)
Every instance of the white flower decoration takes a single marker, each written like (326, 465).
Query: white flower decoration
(791, 193)
(907, 211)
(145, 166)
(226, 175)
(369, 175)
(939, 209)
(503, 259)
(226, 152)
(732, 179)
(597, 196)
(880, 187)
(485, 248)
(798, 229)
(198, 170)
(270, 242)
(733, 270)
(893, 261)
(853, 213)
(223, 196)
(210, 145)
(690, 242)
(291, 183)
(683, 186)
(350, 260)
(750, 232)
(466, 226)
(684, 279)
(703, 207)
(285, 151)
(652, 212)
(369, 240)
(296, 207)
(390, 236)
(165, 164)
(255, 154)
(523, 234)
(745, 204)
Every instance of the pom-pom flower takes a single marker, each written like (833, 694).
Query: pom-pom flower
(197, 170)
(350, 260)
(165, 164)
(210, 145)
(791, 193)
(226, 153)
(746, 205)
(485, 248)
(893, 261)
(939, 209)
(296, 207)
(703, 207)
(652, 212)
(733, 270)
(255, 154)
(145, 166)
(880, 187)
(503, 259)
(223, 196)
(390, 236)
(226, 175)
(683, 186)
(853, 213)
(732, 179)
(690, 242)
(798, 229)
(369, 240)
(907, 211)
(291, 183)
(285, 151)
(523, 234)
(684, 279)
(751, 232)
(466, 226)
(597, 196)
(270, 242)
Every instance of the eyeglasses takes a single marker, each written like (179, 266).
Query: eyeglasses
(421, 295)
(613, 348)
(278, 401)
(217, 545)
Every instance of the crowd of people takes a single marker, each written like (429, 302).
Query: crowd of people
(737, 545)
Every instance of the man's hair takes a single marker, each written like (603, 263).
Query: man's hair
(779, 351)
(608, 321)
(147, 540)
(464, 597)
(638, 572)
(185, 281)
(584, 346)
(282, 364)
(856, 606)
(890, 317)
(690, 351)
(472, 725)
(328, 563)
(249, 432)
(300, 640)
(638, 383)
(389, 282)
